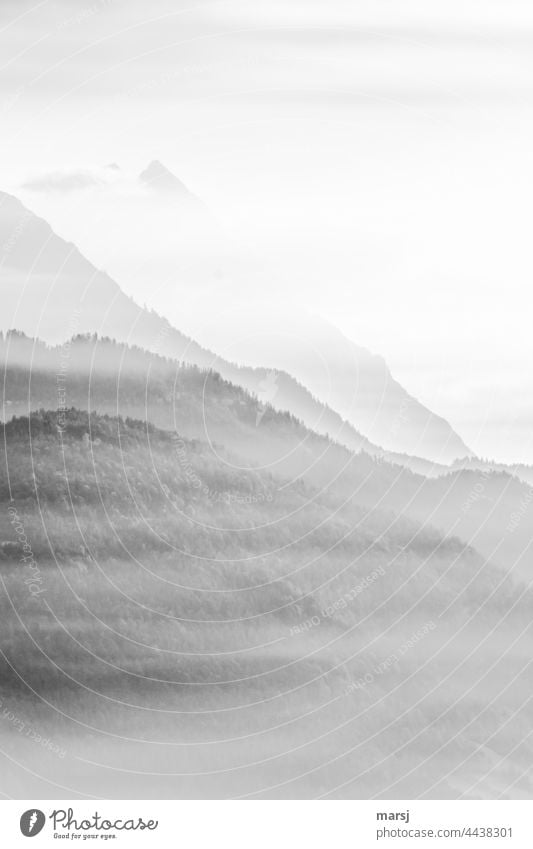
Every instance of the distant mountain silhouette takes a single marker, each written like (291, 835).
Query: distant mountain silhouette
(352, 381)
(187, 247)
(51, 291)
(159, 178)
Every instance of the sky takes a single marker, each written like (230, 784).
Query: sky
(368, 161)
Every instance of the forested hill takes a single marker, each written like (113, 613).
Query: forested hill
(484, 508)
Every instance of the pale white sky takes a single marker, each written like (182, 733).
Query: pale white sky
(370, 160)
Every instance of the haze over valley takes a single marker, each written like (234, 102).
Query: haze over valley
(267, 461)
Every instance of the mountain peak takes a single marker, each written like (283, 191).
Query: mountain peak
(158, 177)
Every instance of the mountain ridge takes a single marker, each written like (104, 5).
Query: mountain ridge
(483, 509)
(52, 291)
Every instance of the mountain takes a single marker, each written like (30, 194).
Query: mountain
(190, 214)
(157, 177)
(346, 377)
(486, 510)
(50, 290)
(286, 647)
(189, 258)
